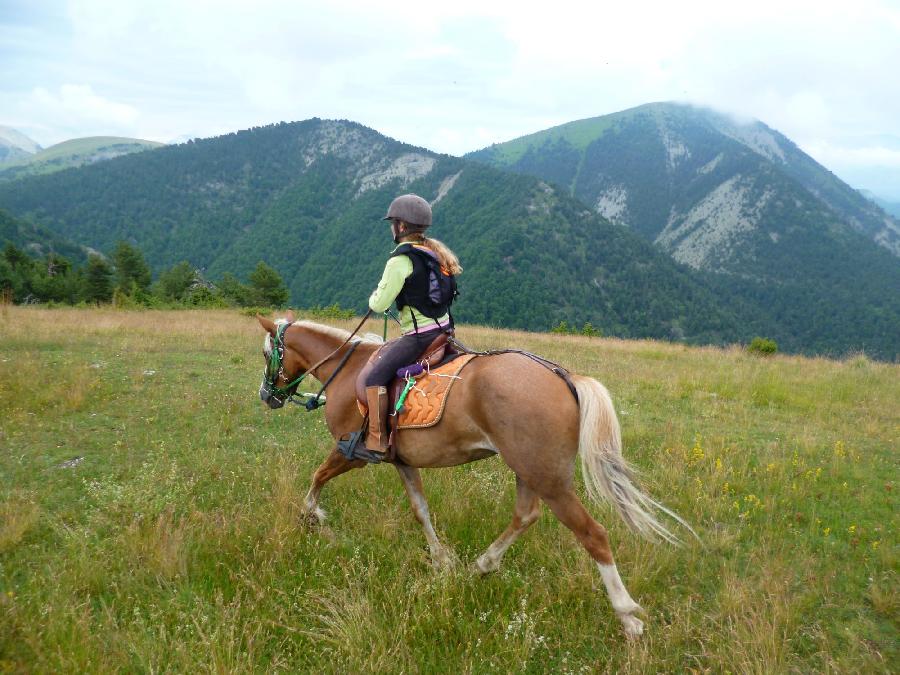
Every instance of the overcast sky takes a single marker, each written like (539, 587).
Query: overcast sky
(458, 75)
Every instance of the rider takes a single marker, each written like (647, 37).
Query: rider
(406, 281)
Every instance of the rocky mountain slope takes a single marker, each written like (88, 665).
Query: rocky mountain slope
(707, 188)
(890, 207)
(308, 198)
(739, 203)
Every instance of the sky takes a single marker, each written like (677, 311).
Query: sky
(459, 75)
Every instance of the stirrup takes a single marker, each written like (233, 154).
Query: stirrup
(352, 448)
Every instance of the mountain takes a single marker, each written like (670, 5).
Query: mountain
(308, 198)
(741, 204)
(15, 146)
(72, 153)
(696, 181)
(890, 207)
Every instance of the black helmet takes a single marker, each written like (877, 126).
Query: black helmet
(411, 209)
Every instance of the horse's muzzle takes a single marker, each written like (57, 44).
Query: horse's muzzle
(274, 402)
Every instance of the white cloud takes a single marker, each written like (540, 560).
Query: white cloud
(80, 104)
(835, 155)
(70, 111)
(455, 76)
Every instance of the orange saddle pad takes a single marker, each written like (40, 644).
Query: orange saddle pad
(424, 405)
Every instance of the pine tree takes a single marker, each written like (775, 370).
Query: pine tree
(174, 283)
(132, 272)
(233, 290)
(98, 281)
(267, 286)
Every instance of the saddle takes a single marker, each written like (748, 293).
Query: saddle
(436, 354)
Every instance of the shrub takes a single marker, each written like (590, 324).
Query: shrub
(561, 328)
(330, 312)
(762, 346)
(254, 310)
(589, 330)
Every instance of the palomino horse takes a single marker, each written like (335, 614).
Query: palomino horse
(489, 413)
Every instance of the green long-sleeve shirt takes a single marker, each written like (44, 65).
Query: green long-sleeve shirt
(396, 271)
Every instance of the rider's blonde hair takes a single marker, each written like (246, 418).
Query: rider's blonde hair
(446, 257)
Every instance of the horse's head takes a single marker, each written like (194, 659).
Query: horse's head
(283, 365)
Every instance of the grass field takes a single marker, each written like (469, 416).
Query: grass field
(149, 516)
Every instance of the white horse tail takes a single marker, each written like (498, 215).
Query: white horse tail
(607, 475)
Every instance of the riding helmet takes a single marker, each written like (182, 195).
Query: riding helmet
(411, 209)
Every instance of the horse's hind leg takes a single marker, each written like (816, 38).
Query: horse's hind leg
(527, 510)
(334, 465)
(441, 558)
(593, 537)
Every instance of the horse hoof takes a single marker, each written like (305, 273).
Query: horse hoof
(485, 566)
(632, 625)
(443, 562)
(313, 518)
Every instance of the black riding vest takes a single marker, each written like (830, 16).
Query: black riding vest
(415, 288)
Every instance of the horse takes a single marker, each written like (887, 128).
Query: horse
(488, 413)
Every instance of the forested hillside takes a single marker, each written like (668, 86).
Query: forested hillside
(35, 239)
(308, 199)
(691, 179)
(741, 203)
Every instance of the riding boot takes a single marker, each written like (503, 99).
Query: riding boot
(379, 431)
(375, 431)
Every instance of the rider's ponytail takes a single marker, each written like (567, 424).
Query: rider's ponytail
(446, 257)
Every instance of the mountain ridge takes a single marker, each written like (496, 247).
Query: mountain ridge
(308, 197)
(579, 155)
(72, 153)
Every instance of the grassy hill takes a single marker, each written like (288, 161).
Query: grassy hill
(73, 153)
(149, 516)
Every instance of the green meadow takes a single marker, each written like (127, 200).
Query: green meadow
(150, 516)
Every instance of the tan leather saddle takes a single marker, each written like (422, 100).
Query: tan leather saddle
(438, 352)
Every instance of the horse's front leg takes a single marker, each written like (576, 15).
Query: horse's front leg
(441, 557)
(334, 465)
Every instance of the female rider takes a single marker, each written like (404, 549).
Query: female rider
(406, 281)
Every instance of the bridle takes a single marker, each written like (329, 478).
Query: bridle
(275, 369)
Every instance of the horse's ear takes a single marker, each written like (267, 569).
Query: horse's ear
(290, 316)
(267, 324)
